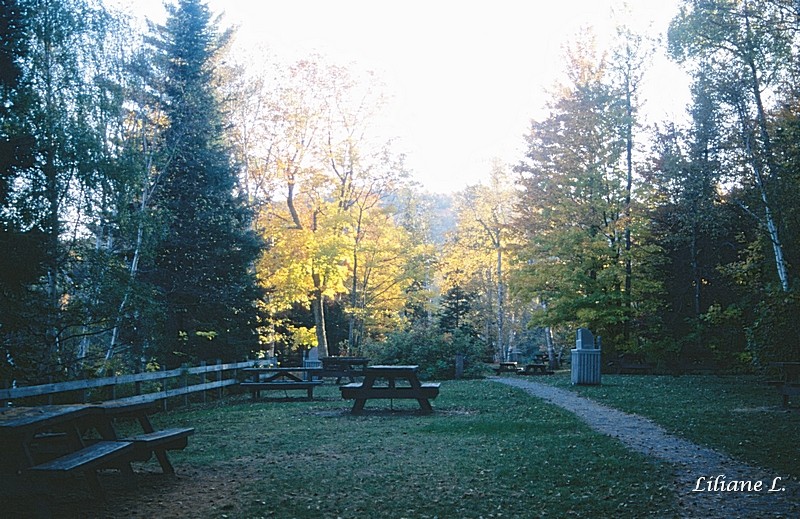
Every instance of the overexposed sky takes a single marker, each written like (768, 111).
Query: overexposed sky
(465, 77)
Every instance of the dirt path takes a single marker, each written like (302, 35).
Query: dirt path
(690, 461)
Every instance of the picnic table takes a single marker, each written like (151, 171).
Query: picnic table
(42, 445)
(507, 367)
(788, 381)
(409, 387)
(272, 378)
(536, 368)
(149, 442)
(341, 367)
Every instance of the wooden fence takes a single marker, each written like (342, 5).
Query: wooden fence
(151, 386)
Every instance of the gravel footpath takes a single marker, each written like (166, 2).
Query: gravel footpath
(691, 462)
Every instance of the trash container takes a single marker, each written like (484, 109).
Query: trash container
(586, 359)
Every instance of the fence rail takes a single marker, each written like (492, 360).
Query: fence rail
(185, 380)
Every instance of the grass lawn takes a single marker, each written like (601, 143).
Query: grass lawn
(737, 414)
(487, 451)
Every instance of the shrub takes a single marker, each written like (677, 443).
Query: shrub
(432, 350)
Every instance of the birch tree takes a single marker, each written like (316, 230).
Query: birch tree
(746, 44)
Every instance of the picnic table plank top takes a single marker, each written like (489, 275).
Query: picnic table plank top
(393, 368)
(281, 369)
(20, 419)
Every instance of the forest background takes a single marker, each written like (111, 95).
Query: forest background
(163, 203)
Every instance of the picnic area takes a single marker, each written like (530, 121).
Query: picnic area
(487, 450)
(475, 260)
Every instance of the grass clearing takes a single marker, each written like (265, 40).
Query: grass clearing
(487, 451)
(736, 414)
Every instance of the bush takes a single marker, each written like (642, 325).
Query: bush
(432, 350)
(774, 334)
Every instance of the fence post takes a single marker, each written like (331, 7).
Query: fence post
(137, 386)
(185, 368)
(204, 378)
(109, 374)
(164, 385)
(219, 379)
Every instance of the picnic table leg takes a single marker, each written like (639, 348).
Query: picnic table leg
(161, 454)
(425, 405)
(105, 427)
(358, 406)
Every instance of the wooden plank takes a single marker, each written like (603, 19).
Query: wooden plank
(161, 395)
(159, 441)
(162, 436)
(281, 384)
(213, 368)
(91, 383)
(94, 456)
(426, 391)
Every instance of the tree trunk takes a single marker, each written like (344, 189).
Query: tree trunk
(500, 303)
(761, 118)
(628, 188)
(318, 308)
(551, 350)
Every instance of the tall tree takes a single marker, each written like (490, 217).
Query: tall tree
(477, 257)
(572, 202)
(696, 229)
(746, 45)
(630, 54)
(21, 263)
(65, 181)
(204, 260)
(327, 173)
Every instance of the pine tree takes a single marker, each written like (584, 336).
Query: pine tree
(203, 264)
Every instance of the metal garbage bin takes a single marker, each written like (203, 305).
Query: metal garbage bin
(586, 359)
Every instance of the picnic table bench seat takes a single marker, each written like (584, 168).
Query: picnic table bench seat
(91, 457)
(166, 439)
(356, 390)
(281, 385)
(87, 461)
(157, 443)
(537, 368)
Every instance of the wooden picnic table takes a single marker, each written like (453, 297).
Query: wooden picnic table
(344, 367)
(537, 368)
(409, 386)
(788, 381)
(507, 367)
(268, 378)
(146, 443)
(43, 444)
(20, 427)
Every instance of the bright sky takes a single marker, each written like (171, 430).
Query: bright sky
(466, 77)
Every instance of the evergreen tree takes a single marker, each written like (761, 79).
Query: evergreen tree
(456, 311)
(203, 263)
